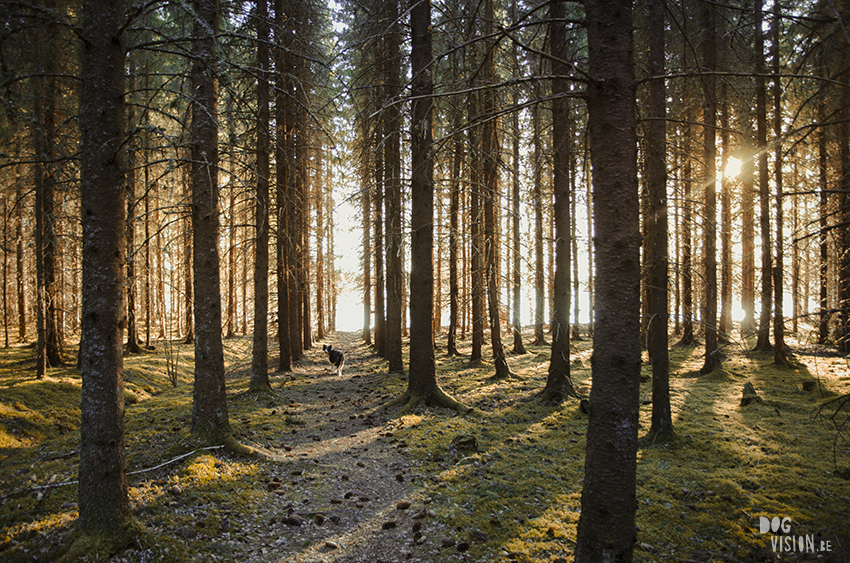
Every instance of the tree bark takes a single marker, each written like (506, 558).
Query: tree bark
(558, 383)
(209, 407)
(780, 356)
(763, 340)
(104, 505)
(490, 194)
(454, 236)
(537, 198)
(661, 420)
(130, 229)
(281, 152)
(606, 529)
(712, 353)
(260, 351)
(392, 159)
(422, 384)
(366, 193)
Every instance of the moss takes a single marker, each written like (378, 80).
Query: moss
(517, 497)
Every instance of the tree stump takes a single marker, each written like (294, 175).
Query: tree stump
(750, 395)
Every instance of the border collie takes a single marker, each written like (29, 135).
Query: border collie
(336, 358)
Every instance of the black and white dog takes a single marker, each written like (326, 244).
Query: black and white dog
(336, 358)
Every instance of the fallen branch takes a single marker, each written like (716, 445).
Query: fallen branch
(137, 472)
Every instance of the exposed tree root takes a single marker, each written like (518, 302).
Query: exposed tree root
(261, 391)
(502, 375)
(234, 446)
(556, 394)
(435, 397)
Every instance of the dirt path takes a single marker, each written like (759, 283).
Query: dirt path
(346, 491)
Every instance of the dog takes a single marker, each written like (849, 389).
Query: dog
(335, 357)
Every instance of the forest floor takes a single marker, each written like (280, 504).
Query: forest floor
(351, 480)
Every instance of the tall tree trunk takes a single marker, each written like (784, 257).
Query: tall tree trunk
(662, 421)
(843, 217)
(209, 407)
(260, 351)
(490, 194)
(476, 239)
(558, 383)
(748, 252)
(516, 265)
(148, 269)
(19, 262)
(688, 336)
(378, 205)
(40, 180)
(763, 340)
(320, 245)
(823, 240)
(130, 228)
(712, 358)
(725, 323)
(779, 354)
(454, 234)
(392, 158)
(422, 379)
(283, 129)
(104, 505)
(537, 198)
(188, 282)
(365, 193)
(606, 534)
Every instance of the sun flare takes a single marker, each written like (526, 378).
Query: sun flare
(733, 168)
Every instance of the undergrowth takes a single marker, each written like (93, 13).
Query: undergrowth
(514, 496)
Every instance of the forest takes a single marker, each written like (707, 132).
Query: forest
(588, 263)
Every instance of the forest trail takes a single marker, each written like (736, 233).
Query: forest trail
(344, 491)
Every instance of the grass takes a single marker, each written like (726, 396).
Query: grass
(516, 498)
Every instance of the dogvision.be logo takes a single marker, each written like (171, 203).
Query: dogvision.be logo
(782, 539)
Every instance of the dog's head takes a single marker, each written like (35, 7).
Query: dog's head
(327, 348)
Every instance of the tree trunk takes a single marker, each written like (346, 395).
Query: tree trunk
(537, 197)
(558, 383)
(104, 506)
(130, 228)
(724, 327)
(823, 240)
(392, 158)
(319, 199)
(748, 256)
(260, 351)
(19, 263)
(843, 217)
(209, 407)
(454, 235)
(476, 239)
(779, 354)
(489, 195)
(662, 421)
(422, 379)
(606, 528)
(378, 205)
(712, 358)
(40, 179)
(282, 150)
(763, 341)
(516, 265)
(365, 166)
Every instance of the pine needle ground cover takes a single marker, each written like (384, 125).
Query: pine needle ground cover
(349, 480)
